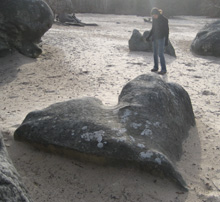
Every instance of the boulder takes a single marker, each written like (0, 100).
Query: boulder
(207, 41)
(23, 23)
(146, 128)
(138, 42)
(11, 188)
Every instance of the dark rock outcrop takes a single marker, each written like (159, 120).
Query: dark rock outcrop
(145, 129)
(138, 42)
(11, 189)
(22, 24)
(207, 41)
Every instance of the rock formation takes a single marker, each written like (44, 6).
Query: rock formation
(145, 129)
(64, 12)
(11, 188)
(207, 41)
(138, 42)
(22, 24)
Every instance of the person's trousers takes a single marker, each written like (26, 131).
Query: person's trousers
(158, 47)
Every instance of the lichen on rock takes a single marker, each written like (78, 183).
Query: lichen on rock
(145, 129)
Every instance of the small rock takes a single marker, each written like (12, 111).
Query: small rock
(138, 42)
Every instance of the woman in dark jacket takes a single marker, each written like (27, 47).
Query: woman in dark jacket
(160, 35)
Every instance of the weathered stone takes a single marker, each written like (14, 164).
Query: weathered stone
(207, 41)
(145, 129)
(138, 42)
(69, 19)
(11, 188)
(23, 23)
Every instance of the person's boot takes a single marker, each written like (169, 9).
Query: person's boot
(162, 72)
(154, 70)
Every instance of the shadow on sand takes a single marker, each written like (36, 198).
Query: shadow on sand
(9, 66)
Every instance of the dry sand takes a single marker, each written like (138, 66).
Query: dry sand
(95, 61)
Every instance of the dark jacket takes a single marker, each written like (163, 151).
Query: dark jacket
(160, 28)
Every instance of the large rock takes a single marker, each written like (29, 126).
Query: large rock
(145, 129)
(207, 41)
(22, 24)
(11, 188)
(138, 42)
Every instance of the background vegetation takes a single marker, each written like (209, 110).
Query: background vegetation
(142, 7)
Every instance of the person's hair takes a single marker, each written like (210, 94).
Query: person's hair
(156, 11)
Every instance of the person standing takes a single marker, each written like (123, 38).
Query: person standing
(160, 35)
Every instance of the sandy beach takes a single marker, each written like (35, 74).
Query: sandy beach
(96, 61)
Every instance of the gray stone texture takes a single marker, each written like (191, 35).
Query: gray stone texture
(145, 129)
(138, 42)
(207, 41)
(11, 188)
(23, 23)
